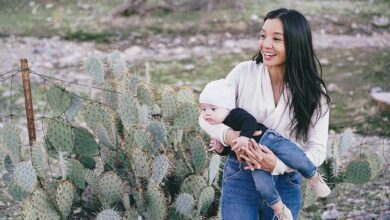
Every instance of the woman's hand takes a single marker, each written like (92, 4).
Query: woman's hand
(259, 157)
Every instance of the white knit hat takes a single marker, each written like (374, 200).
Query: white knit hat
(219, 93)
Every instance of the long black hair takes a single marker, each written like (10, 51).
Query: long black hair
(301, 74)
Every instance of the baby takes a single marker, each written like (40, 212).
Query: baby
(217, 103)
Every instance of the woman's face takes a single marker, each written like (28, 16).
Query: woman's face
(271, 43)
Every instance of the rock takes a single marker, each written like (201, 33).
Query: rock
(331, 212)
(332, 87)
(324, 61)
(380, 21)
(382, 99)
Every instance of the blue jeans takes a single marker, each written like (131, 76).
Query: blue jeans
(241, 200)
(290, 154)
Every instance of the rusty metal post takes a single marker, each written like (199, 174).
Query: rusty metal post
(28, 101)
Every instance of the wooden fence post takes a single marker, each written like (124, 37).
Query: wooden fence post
(28, 101)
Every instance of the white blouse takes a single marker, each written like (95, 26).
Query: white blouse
(254, 94)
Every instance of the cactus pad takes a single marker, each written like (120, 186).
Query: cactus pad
(198, 154)
(75, 173)
(144, 95)
(159, 169)
(205, 199)
(110, 188)
(214, 165)
(193, 185)
(358, 172)
(158, 132)
(187, 116)
(64, 198)
(155, 204)
(140, 163)
(185, 95)
(25, 176)
(58, 99)
(11, 139)
(128, 111)
(184, 204)
(37, 160)
(168, 105)
(108, 214)
(95, 68)
(60, 136)
(84, 142)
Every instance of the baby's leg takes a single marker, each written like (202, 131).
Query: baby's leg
(288, 152)
(265, 185)
(294, 157)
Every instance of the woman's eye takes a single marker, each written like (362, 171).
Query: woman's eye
(262, 36)
(213, 109)
(277, 39)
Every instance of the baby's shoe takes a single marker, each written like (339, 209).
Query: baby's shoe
(319, 186)
(285, 214)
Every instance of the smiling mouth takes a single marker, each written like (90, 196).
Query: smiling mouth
(269, 55)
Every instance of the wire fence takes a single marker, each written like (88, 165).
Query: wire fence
(9, 78)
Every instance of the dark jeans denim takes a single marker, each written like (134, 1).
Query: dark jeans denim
(241, 200)
(288, 152)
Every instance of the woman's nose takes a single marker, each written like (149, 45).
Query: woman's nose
(267, 43)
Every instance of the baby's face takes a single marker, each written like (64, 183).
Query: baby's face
(213, 114)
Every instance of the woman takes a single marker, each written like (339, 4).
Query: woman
(283, 90)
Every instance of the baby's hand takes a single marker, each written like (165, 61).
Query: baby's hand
(215, 145)
(241, 143)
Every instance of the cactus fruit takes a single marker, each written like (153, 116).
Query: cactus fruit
(110, 188)
(64, 198)
(184, 204)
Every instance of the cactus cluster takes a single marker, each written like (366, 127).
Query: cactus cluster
(127, 156)
(342, 168)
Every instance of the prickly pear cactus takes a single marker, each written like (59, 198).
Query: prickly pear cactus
(126, 154)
